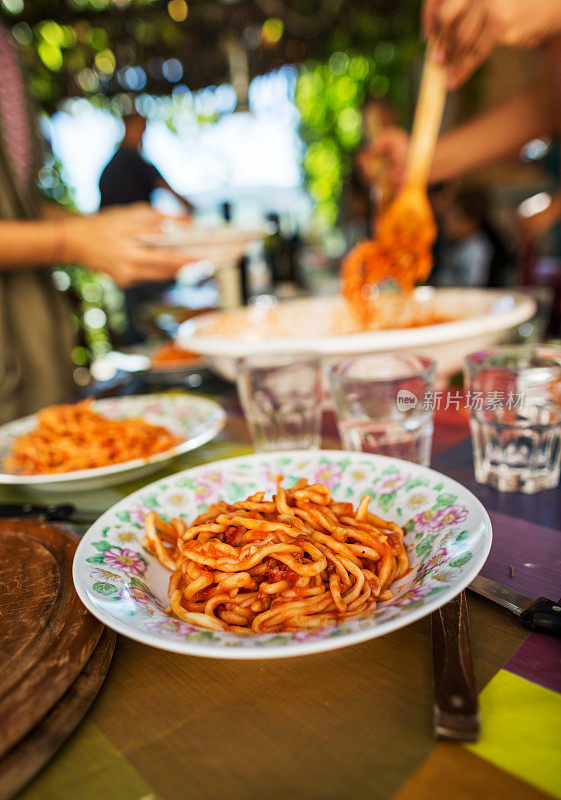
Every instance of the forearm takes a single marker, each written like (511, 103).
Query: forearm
(500, 132)
(528, 25)
(28, 244)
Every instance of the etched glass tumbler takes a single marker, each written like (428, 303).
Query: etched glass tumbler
(281, 396)
(514, 399)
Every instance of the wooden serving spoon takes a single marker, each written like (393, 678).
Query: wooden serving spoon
(410, 214)
(428, 118)
(406, 230)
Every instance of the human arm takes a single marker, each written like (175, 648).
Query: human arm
(468, 30)
(497, 133)
(104, 242)
(500, 132)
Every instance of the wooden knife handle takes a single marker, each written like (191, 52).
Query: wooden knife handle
(456, 711)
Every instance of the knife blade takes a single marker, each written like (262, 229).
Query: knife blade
(456, 710)
(541, 615)
(55, 512)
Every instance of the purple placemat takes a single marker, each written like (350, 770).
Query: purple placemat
(543, 508)
(538, 659)
(524, 556)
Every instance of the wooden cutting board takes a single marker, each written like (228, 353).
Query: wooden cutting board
(46, 634)
(30, 754)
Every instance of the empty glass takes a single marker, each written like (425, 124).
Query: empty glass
(384, 404)
(514, 398)
(281, 396)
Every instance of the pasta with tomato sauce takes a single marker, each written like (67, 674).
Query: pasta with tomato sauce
(75, 437)
(401, 251)
(299, 560)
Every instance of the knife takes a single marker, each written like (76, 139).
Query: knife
(55, 512)
(541, 615)
(456, 710)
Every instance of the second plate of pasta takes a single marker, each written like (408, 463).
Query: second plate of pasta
(100, 443)
(281, 554)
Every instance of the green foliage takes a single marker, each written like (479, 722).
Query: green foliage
(86, 290)
(75, 47)
(373, 56)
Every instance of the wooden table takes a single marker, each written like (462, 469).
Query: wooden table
(351, 723)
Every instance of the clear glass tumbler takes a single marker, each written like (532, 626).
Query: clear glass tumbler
(514, 399)
(383, 404)
(281, 396)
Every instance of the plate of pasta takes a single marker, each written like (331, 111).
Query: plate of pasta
(281, 554)
(97, 443)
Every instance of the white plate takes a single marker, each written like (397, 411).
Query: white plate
(448, 535)
(293, 326)
(195, 419)
(221, 246)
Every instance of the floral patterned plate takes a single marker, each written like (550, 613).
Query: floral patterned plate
(195, 419)
(448, 535)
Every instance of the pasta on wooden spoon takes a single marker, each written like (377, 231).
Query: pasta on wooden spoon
(406, 229)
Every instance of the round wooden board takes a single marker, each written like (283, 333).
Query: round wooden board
(46, 634)
(31, 753)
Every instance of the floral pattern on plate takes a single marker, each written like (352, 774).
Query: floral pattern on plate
(448, 536)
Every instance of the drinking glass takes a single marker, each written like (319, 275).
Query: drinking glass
(383, 404)
(514, 399)
(281, 396)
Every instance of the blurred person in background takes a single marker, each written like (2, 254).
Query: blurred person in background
(36, 337)
(473, 253)
(129, 178)
(377, 114)
(362, 198)
(357, 209)
(440, 197)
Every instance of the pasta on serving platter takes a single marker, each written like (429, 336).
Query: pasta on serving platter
(401, 250)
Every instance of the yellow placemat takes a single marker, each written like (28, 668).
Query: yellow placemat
(521, 730)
